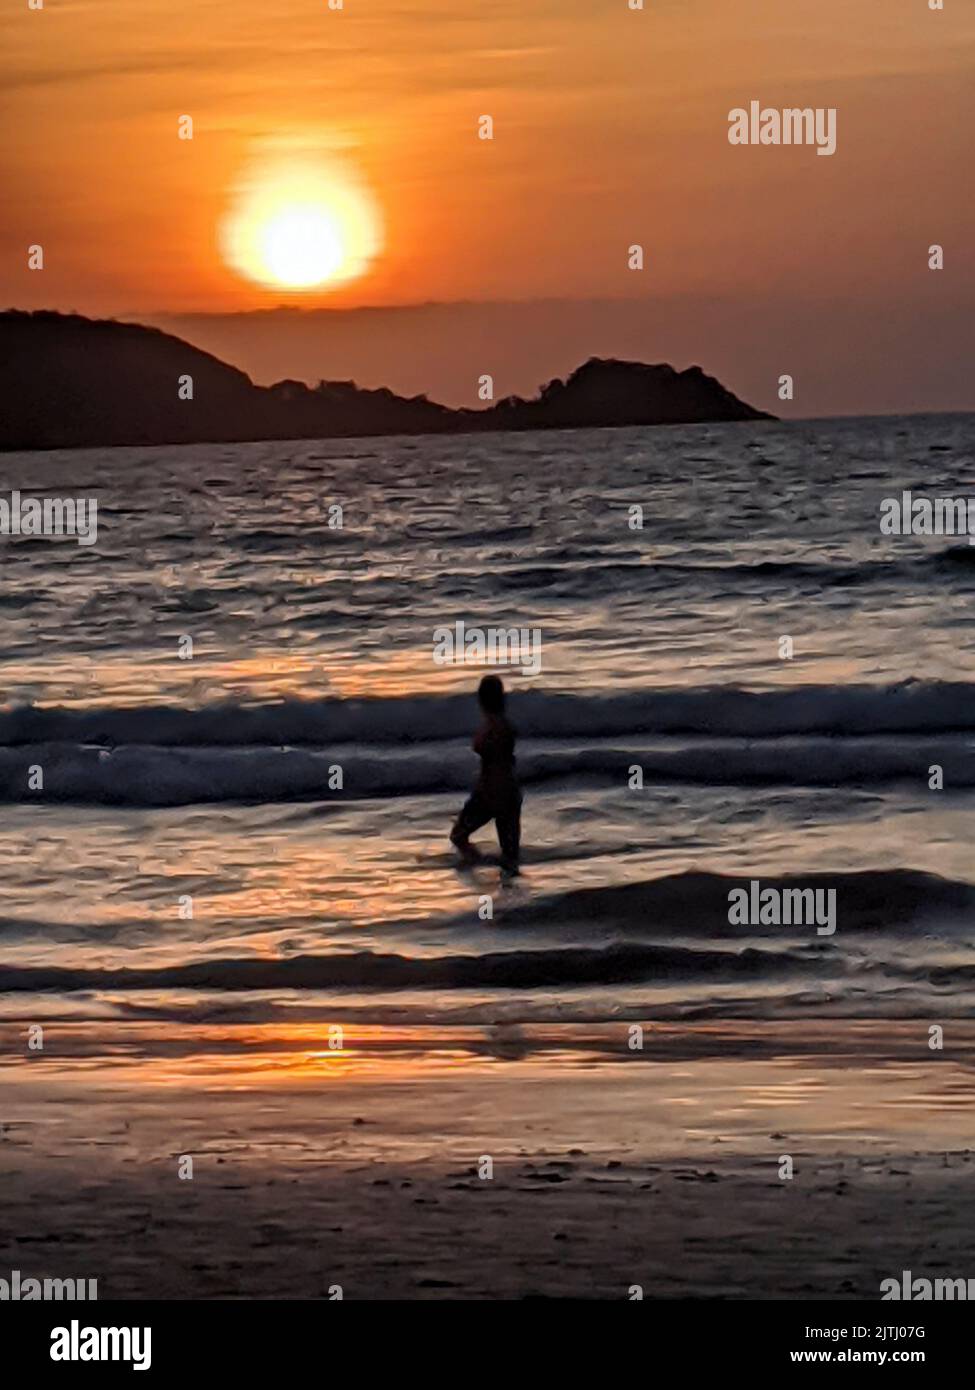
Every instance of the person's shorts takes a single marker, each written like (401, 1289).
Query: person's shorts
(506, 813)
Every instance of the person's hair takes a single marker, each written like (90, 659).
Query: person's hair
(490, 693)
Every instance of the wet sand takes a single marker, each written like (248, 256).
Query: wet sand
(503, 1165)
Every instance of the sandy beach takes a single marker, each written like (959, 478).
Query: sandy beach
(610, 1169)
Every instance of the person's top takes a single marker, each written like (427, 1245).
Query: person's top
(494, 743)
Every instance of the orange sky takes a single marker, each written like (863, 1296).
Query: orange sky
(610, 128)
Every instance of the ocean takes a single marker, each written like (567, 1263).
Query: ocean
(754, 684)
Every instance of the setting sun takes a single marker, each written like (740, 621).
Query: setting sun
(299, 224)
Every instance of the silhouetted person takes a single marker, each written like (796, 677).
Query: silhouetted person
(497, 795)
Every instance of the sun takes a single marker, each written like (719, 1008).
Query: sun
(301, 246)
(300, 223)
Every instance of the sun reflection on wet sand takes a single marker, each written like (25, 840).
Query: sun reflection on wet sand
(739, 1081)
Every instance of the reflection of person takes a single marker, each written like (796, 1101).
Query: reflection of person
(497, 795)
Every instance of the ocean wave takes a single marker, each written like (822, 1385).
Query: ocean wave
(806, 736)
(719, 711)
(602, 569)
(669, 935)
(686, 914)
(618, 963)
(696, 903)
(148, 776)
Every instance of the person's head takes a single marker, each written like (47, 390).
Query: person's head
(490, 694)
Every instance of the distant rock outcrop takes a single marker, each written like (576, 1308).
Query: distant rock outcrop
(73, 382)
(605, 392)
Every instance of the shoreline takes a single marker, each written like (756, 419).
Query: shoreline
(368, 1168)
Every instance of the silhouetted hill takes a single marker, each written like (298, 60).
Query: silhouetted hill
(72, 382)
(607, 392)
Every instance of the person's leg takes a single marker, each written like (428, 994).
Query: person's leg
(474, 813)
(508, 824)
